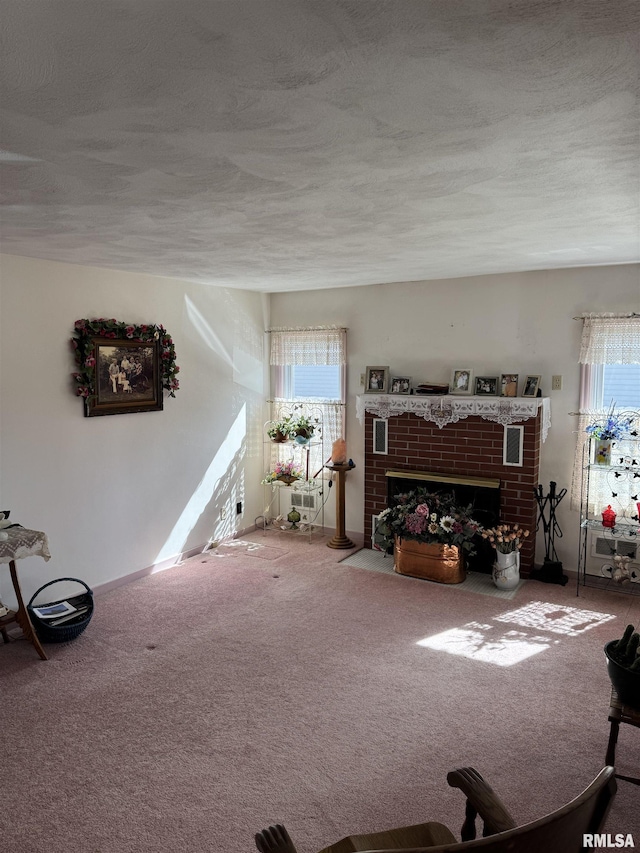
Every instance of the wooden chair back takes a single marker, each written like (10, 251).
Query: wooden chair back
(561, 831)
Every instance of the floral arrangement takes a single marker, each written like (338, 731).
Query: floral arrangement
(431, 518)
(505, 538)
(284, 471)
(82, 343)
(612, 427)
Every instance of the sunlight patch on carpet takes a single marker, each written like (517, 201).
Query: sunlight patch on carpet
(539, 623)
(237, 547)
(557, 618)
(487, 643)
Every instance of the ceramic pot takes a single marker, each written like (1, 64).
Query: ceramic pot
(279, 437)
(506, 570)
(302, 436)
(602, 451)
(440, 563)
(624, 682)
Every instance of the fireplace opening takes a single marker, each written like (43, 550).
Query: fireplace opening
(482, 494)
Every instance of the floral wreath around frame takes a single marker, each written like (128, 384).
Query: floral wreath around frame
(86, 330)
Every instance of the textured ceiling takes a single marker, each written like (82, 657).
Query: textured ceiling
(296, 145)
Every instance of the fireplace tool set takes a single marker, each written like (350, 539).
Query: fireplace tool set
(551, 569)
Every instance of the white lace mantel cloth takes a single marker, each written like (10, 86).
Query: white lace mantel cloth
(450, 409)
(23, 543)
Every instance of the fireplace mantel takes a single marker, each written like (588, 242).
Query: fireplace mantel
(450, 409)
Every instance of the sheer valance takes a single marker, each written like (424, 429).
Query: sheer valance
(610, 340)
(308, 346)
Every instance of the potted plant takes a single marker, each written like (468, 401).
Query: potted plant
(303, 428)
(280, 430)
(623, 666)
(430, 535)
(507, 540)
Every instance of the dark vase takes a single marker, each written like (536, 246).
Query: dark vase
(279, 437)
(625, 683)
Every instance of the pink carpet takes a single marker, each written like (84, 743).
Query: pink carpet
(209, 700)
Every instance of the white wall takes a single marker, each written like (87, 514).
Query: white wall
(118, 494)
(520, 323)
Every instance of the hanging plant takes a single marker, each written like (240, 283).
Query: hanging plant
(89, 335)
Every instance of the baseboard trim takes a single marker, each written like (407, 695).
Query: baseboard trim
(107, 586)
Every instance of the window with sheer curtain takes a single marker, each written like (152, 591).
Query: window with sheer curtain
(309, 377)
(609, 376)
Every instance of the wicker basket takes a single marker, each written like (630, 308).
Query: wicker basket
(70, 629)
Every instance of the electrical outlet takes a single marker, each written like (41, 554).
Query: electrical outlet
(556, 383)
(223, 512)
(362, 378)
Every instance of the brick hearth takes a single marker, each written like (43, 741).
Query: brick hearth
(471, 447)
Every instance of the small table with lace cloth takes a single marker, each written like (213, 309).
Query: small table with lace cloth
(21, 543)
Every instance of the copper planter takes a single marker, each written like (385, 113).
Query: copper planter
(440, 563)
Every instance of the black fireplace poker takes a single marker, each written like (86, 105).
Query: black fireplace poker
(551, 569)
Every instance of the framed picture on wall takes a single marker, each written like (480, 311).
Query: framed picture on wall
(376, 380)
(531, 385)
(461, 381)
(509, 385)
(127, 377)
(400, 385)
(486, 386)
(122, 367)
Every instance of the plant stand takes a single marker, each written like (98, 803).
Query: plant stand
(340, 539)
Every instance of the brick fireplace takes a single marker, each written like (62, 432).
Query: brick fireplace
(473, 448)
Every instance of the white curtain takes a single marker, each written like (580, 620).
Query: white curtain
(304, 347)
(606, 339)
(308, 346)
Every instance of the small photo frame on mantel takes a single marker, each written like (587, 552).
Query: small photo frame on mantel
(531, 386)
(461, 381)
(486, 386)
(400, 385)
(376, 380)
(509, 385)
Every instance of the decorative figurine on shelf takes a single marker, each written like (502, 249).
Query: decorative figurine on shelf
(608, 517)
(621, 572)
(294, 518)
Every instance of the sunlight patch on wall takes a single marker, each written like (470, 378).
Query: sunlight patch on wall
(206, 332)
(217, 470)
(248, 371)
(557, 618)
(488, 643)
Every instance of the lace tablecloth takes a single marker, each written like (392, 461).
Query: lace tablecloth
(23, 543)
(450, 409)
